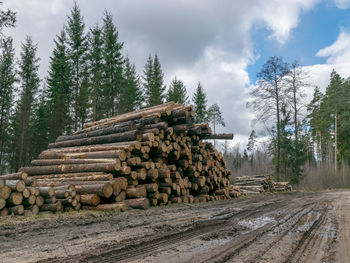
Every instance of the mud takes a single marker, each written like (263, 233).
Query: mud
(286, 227)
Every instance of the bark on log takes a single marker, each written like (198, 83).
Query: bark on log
(121, 196)
(73, 168)
(5, 192)
(103, 190)
(140, 203)
(219, 136)
(16, 210)
(133, 135)
(116, 207)
(2, 203)
(16, 185)
(15, 198)
(14, 176)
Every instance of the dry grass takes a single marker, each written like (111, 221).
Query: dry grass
(325, 178)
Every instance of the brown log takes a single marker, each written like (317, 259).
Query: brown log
(16, 185)
(97, 177)
(151, 187)
(68, 175)
(152, 174)
(121, 196)
(39, 201)
(164, 108)
(154, 195)
(50, 200)
(30, 200)
(117, 128)
(153, 201)
(16, 210)
(220, 136)
(46, 162)
(116, 207)
(2, 182)
(140, 203)
(2, 203)
(51, 207)
(136, 192)
(103, 190)
(4, 212)
(15, 198)
(126, 146)
(166, 190)
(5, 192)
(55, 169)
(14, 176)
(163, 198)
(133, 135)
(119, 184)
(26, 193)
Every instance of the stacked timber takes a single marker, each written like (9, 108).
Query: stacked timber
(20, 195)
(154, 156)
(256, 184)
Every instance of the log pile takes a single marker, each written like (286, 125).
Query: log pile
(256, 184)
(154, 156)
(20, 195)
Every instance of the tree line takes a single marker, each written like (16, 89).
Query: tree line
(88, 79)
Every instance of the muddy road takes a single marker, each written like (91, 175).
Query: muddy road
(286, 227)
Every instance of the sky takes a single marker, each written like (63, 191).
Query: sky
(223, 44)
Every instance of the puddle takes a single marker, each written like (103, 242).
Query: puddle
(256, 222)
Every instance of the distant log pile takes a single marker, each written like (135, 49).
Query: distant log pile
(257, 184)
(154, 156)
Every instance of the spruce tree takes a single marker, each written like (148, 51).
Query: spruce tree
(59, 90)
(96, 72)
(40, 135)
(131, 97)
(113, 66)
(7, 81)
(200, 104)
(153, 82)
(24, 112)
(215, 117)
(78, 46)
(7, 19)
(177, 92)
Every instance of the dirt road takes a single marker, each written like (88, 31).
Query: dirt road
(288, 227)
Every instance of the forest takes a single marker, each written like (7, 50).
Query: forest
(90, 78)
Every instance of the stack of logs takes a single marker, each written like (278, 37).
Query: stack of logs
(154, 156)
(256, 184)
(20, 195)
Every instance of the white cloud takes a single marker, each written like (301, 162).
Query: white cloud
(203, 40)
(342, 4)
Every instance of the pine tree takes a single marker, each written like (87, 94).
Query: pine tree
(215, 117)
(40, 135)
(131, 97)
(251, 146)
(113, 66)
(177, 92)
(59, 91)
(200, 104)
(7, 19)
(96, 72)
(153, 82)
(78, 46)
(22, 120)
(7, 81)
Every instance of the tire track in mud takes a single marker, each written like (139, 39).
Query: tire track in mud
(233, 248)
(132, 250)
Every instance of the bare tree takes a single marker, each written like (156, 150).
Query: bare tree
(269, 96)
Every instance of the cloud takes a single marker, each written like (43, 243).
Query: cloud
(342, 4)
(204, 40)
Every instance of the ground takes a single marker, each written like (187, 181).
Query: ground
(285, 227)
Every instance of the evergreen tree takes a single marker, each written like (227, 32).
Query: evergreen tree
(40, 133)
(153, 82)
(200, 104)
(7, 19)
(78, 46)
(7, 81)
(96, 72)
(215, 117)
(131, 97)
(251, 146)
(177, 92)
(24, 112)
(113, 66)
(59, 91)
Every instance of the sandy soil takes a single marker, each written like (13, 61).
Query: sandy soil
(286, 227)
